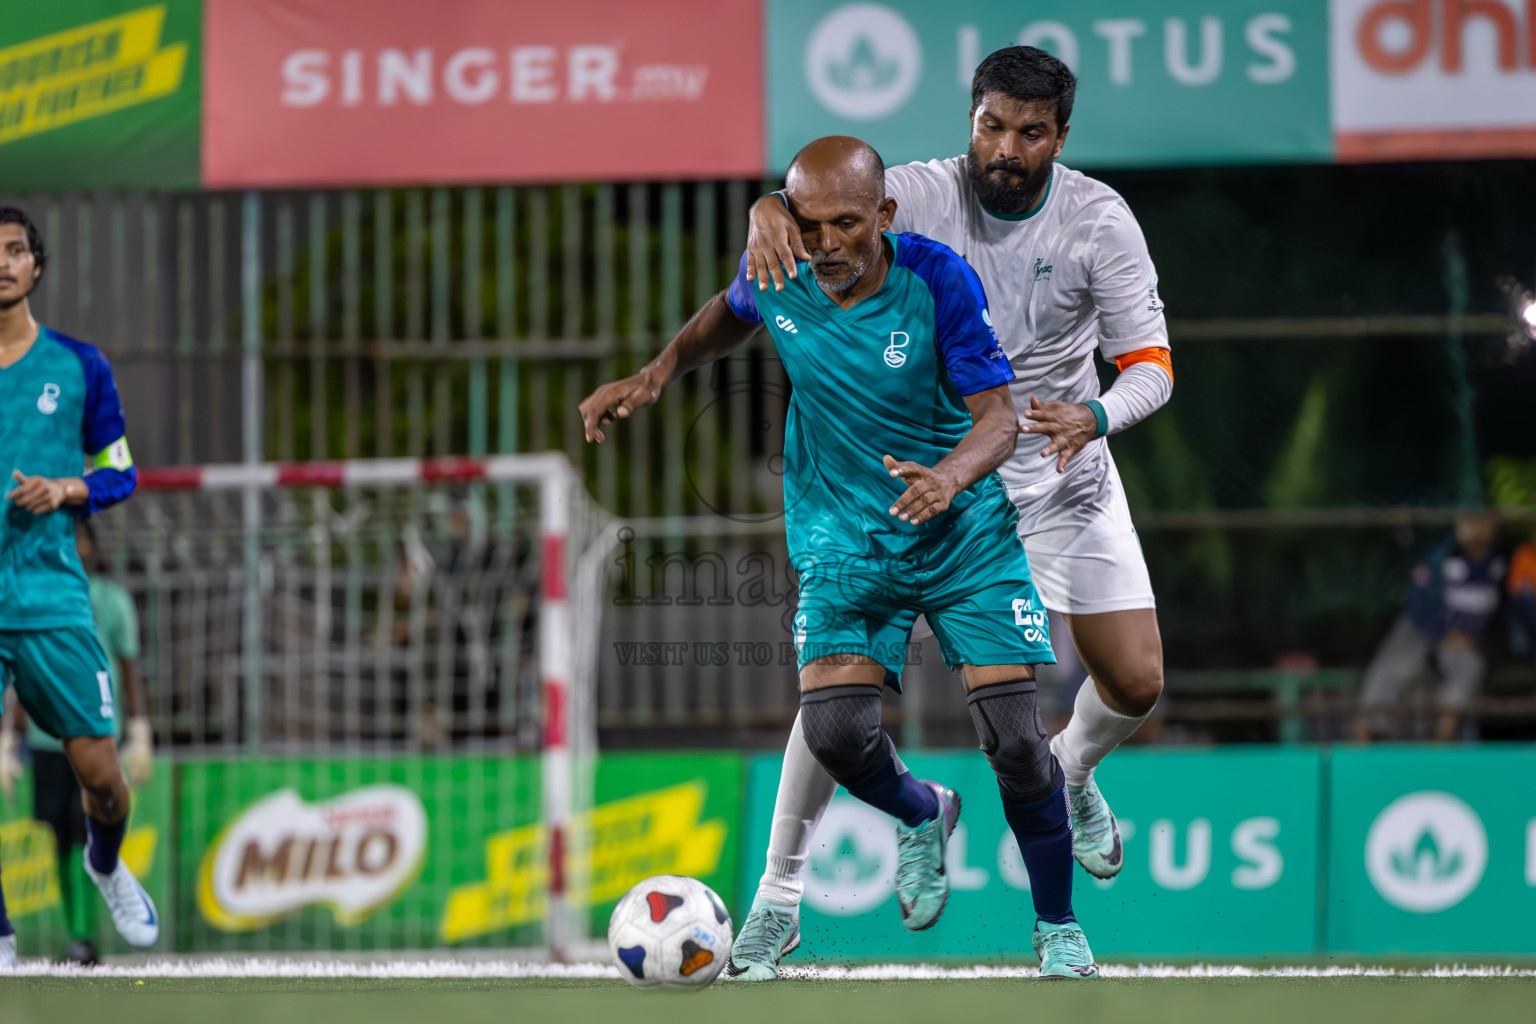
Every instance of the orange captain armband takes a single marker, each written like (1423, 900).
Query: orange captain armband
(1154, 354)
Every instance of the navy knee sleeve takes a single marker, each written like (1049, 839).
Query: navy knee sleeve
(842, 728)
(1012, 736)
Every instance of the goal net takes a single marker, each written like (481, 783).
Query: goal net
(341, 625)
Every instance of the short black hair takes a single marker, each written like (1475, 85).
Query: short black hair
(11, 215)
(1026, 74)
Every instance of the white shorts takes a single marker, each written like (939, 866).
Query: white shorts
(1083, 550)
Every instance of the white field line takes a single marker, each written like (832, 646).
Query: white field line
(282, 967)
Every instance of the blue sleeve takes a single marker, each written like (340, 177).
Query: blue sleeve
(742, 295)
(962, 326)
(104, 436)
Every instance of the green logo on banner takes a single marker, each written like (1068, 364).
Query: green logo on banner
(1426, 852)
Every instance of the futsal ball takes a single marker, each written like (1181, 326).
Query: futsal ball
(669, 931)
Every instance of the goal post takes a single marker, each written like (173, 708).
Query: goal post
(573, 536)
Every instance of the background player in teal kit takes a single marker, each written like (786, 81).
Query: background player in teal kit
(58, 408)
(899, 416)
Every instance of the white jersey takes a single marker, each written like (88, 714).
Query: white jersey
(1070, 278)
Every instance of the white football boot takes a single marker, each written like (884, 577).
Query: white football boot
(133, 912)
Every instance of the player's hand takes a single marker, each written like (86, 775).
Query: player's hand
(36, 494)
(10, 762)
(1069, 425)
(616, 400)
(773, 244)
(138, 752)
(928, 493)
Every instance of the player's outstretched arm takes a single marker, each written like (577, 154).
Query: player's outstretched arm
(713, 332)
(773, 243)
(994, 431)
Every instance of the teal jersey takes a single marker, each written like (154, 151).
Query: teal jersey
(886, 377)
(59, 411)
(117, 627)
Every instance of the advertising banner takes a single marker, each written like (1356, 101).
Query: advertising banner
(97, 94)
(1433, 850)
(1171, 82)
(355, 92)
(1434, 79)
(415, 851)
(29, 868)
(1221, 858)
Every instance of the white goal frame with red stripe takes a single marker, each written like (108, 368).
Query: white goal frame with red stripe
(569, 713)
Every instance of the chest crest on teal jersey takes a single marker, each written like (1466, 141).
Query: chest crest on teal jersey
(48, 401)
(895, 356)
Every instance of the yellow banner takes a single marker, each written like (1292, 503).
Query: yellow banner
(655, 833)
(86, 72)
(28, 867)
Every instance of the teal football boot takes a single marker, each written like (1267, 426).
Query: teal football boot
(1095, 833)
(1063, 952)
(769, 934)
(922, 884)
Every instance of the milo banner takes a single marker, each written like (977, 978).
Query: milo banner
(100, 94)
(30, 869)
(1221, 859)
(411, 852)
(1433, 850)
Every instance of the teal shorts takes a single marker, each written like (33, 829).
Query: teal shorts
(975, 591)
(61, 679)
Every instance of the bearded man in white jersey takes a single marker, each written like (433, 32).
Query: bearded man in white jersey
(1066, 269)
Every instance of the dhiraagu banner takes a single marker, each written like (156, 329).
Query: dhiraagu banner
(1166, 82)
(1433, 850)
(100, 94)
(1221, 859)
(29, 869)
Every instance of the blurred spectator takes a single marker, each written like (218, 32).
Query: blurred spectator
(1521, 587)
(1455, 592)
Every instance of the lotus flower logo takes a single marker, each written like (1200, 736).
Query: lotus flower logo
(1423, 863)
(1426, 852)
(863, 61)
(853, 860)
(864, 69)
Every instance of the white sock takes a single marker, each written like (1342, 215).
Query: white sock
(1095, 730)
(805, 789)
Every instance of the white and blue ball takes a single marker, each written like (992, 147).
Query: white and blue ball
(670, 932)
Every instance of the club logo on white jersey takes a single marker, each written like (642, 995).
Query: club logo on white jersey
(863, 62)
(1042, 269)
(895, 358)
(786, 324)
(48, 401)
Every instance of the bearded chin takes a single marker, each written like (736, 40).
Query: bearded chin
(839, 286)
(1008, 199)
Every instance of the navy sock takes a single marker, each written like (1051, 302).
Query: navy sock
(895, 792)
(5, 922)
(1045, 841)
(105, 841)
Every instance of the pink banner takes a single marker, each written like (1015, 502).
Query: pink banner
(375, 92)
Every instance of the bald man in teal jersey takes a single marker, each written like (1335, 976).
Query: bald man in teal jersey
(900, 415)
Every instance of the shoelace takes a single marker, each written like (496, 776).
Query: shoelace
(758, 936)
(1071, 947)
(1095, 823)
(911, 853)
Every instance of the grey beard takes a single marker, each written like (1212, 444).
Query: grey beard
(844, 285)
